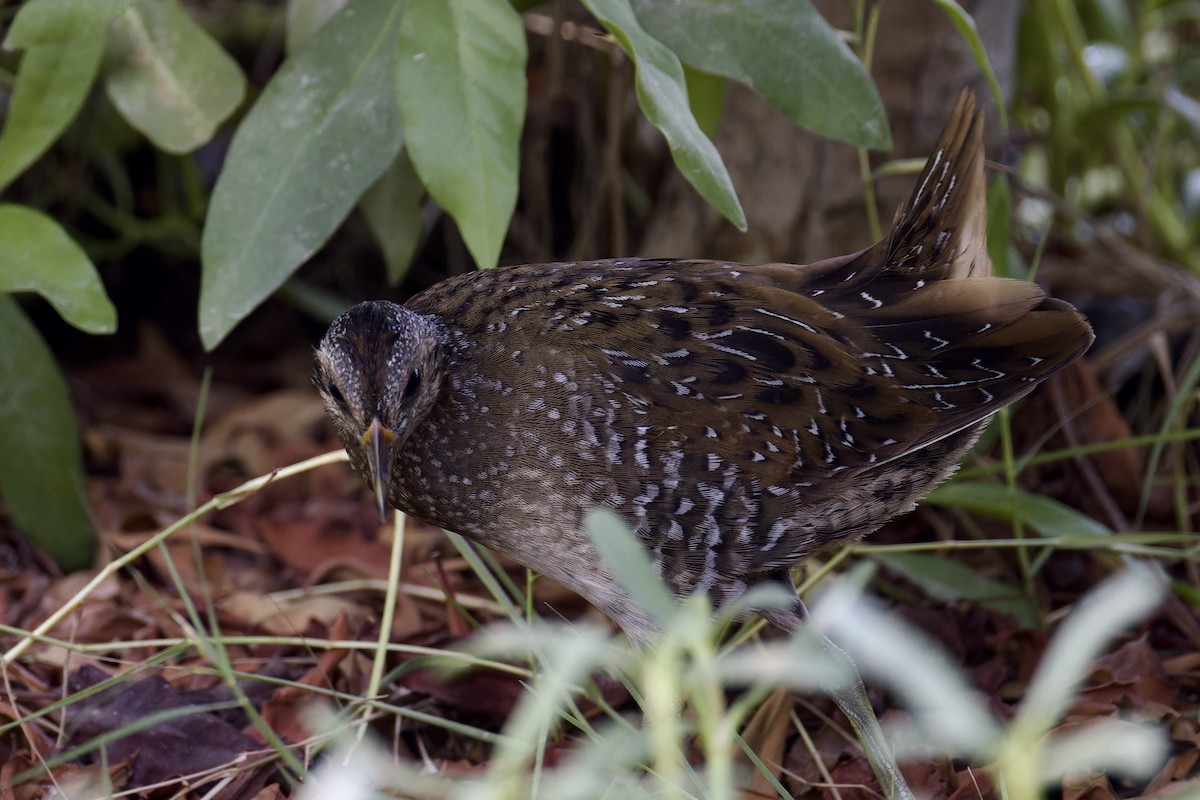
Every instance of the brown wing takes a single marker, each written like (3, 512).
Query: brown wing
(817, 385)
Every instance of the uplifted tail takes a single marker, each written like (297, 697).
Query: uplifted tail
(958, 340)
(942, 231)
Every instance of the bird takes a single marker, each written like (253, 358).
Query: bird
(738, 418)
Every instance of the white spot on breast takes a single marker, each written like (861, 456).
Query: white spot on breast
(778, 529)
(589, 433)
(613, 451)
(639, 454)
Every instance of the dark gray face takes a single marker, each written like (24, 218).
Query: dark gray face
(379, 370)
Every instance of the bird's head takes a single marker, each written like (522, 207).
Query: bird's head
(379, 370)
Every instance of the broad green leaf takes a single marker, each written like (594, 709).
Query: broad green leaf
(392, 208)
(305, 17)
(36, 255)
(947, 579)
(41, 468)
(626, 560)
(706, 96)
(52, 82)
(46, 21)
(662, 94)
(786, 52)
(324, 129)
(966, 28)
(460, 80)
(168, 77)
(1047, 517)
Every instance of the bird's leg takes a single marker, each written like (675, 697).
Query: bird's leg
(850, 696)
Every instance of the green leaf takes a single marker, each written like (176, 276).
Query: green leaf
(966, 28)
(947, 579)
(786, 52)
(999, 232)
(324, 129)
(624, 557)
(52, 82)
(1047, 517)
(706, 96)
(47, 21)
(392, 208)
(1110, 20)
(64, 41)
(168, 77)
(460, 80)
(36, 255)
(1005, 257)
(305, 17)
(41, 468)
(662, 94)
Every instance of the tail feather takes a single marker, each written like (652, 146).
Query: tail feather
(963, 342)
(941, 233)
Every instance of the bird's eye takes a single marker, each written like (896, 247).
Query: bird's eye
(336, 394)
(414, 383)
